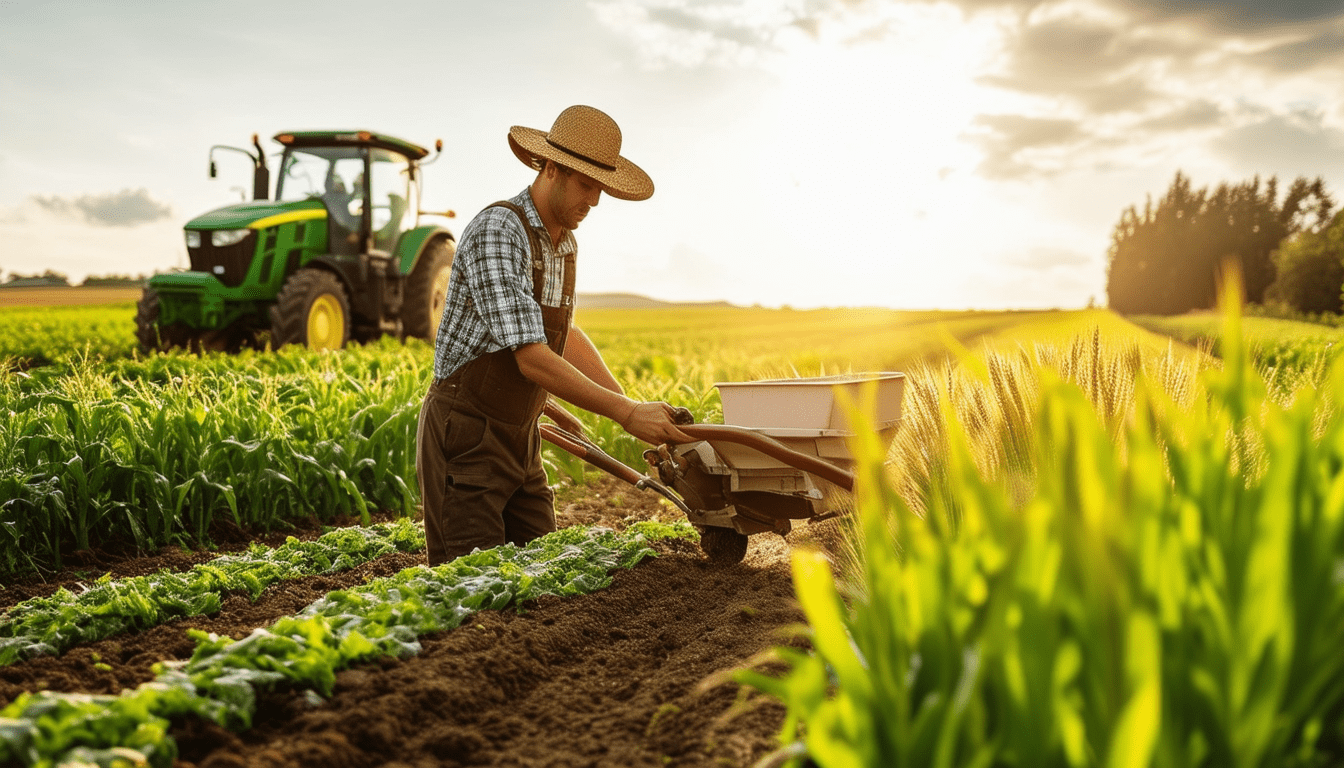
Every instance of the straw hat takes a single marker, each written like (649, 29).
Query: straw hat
(588, 141)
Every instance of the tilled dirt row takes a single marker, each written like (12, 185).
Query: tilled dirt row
(609, 679)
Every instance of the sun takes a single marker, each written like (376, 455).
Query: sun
(870, 122)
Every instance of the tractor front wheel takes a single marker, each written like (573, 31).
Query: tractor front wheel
(155, 337)
(312, 309)
(426, 290)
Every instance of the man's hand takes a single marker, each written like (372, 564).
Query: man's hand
(655, 423)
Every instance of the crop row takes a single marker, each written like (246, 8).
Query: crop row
(102, 453)
(52, 625)
(1283, 350)
(380, 619)
(153, 451)
(64, 334)
(1158, 589)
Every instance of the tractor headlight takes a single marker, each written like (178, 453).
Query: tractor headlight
(193, 238)
(221, 238)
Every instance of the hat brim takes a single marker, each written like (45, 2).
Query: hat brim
(626, 181)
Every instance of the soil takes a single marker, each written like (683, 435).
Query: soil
(632, 675)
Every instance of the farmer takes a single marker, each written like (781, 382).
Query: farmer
(507, 340)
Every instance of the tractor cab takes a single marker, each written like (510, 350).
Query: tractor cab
(340, 253)
(368, 186)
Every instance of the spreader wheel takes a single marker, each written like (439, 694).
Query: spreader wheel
(723, 545)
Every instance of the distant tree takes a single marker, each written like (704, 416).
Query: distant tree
(1166, 260)
(1310, 268)
(49, 277)
(117, 280)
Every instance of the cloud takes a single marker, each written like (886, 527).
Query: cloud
(1298, 142)
(1074, 82)
(1021, 146)
(1199, 113)
(127, 208)
(695, 33)
(1135, 73)
(1240, 15)
(1099, 63)
(1321, 46)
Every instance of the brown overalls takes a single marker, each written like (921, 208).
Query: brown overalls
(478, 445)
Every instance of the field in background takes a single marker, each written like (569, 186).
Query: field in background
(713, 343)
(1281, 349)
(60, 297)
(736, 344)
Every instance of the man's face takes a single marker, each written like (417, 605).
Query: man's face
(572, 194)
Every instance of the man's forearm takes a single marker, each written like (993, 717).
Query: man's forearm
(581, 352)
(563, 379)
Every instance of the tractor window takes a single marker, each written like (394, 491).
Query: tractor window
(328, 173)
(393, 199)
(334, 175)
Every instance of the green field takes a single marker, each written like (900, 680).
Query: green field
(1091, 542)
(1279, 347)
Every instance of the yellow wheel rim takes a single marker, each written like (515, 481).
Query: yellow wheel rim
(326, 323)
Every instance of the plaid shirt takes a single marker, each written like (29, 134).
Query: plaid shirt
(489, 305)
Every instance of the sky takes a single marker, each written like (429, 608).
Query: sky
(913, 154)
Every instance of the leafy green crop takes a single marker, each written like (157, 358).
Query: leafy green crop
(51, 625)
(381, 618)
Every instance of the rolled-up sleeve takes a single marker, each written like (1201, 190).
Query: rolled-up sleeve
(499, 281)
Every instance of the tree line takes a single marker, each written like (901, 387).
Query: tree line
(51, 277)
(1168, 257)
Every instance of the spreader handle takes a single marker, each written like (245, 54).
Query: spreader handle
(588, 451)
(774, 449)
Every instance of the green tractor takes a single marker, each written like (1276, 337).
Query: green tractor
(339, 254)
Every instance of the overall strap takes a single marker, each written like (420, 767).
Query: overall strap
(538, 266)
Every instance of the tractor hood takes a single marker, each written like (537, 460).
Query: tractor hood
(258, 215)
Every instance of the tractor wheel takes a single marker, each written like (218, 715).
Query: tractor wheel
(426, 289)
(153, 336)
(723, 545)
(312, 309)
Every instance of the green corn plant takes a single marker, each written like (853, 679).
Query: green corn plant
(1166, 595)
(155, 451)
(65, 334)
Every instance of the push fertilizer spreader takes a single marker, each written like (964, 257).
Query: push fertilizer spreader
(782, 455)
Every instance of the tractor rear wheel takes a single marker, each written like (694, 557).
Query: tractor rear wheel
(153, 336)
(723, 545)
(312, 309)
(426, 289)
